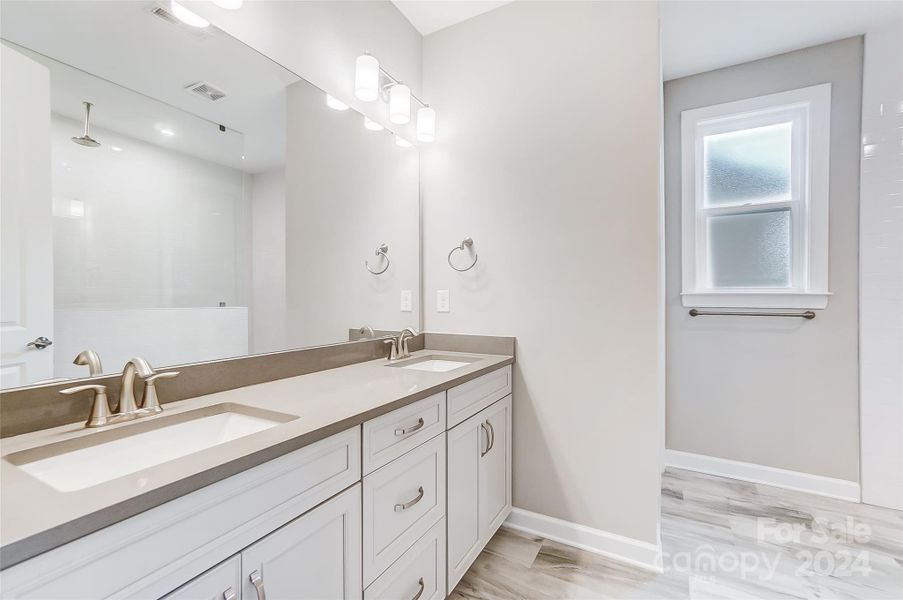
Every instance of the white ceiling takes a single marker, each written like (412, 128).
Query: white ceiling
(123, 43)
(428, 16)
(702, 36)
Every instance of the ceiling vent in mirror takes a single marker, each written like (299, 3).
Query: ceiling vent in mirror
(206, 90)
(165, 15)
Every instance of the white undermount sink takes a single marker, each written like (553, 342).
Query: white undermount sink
(87, 461)
(436, 364)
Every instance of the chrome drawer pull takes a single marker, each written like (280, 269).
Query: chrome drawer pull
(409, 504)
(483, 427)
(257, 580)
(491, 436)
(229, 594)
(420, 593)
(411, 429)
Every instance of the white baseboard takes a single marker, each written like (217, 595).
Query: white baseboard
(791, 480)
(618, 547)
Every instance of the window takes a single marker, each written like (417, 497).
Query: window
(755, 201)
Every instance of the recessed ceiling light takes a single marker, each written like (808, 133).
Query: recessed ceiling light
(186, 16)
(372, 125)
(167, 131)
(335, 103)
(115, 148)
(228, 4)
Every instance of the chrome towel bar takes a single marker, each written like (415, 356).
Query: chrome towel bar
(698, 313)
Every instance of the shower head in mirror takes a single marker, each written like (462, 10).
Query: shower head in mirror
(86, 139)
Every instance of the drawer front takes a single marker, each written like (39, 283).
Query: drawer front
(402, 501)
(222, 582)
(469, 398)
(419, 573)
(389, 436)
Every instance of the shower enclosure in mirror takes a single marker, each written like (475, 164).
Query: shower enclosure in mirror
(170, 193)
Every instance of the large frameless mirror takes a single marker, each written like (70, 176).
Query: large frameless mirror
(170, 193)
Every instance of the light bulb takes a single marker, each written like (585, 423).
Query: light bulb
(186, 16)
(228, 4)
(372, 125)
(400, 104)
(400, 141)
(366, 78)
(426, 124)
(335, 103)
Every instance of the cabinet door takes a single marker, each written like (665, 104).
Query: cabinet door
(466, 443)
(316, 556)
(222, 582)
(495, 469)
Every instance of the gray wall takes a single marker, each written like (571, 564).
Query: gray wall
(775, 392)
(548, 156)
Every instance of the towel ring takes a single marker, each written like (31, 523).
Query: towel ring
(381, 250)
(467, 243)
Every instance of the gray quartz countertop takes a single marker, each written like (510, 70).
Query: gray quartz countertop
(36, 518)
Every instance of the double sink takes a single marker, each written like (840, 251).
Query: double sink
(90, 460)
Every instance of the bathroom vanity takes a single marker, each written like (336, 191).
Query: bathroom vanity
(373, 480)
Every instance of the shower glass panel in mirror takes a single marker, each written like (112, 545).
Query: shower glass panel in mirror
(210, 205)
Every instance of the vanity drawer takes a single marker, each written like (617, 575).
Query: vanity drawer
(402, 501)
(389, 436)
(422, 566)
(470, 398)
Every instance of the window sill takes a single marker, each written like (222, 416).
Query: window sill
(807, 300)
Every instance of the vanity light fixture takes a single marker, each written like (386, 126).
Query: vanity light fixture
(228, 4)
(186, 16)
(400, 141)
(366, 78)
(369, 86)
(372, 125)
(400, 104)
(426, 124)
(335, 103)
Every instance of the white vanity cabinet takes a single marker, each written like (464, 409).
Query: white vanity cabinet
(316, 556)
(399, 508)
(479, 484)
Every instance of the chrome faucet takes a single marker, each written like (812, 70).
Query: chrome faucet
(134, 366)
(403, 337)
(91, 359)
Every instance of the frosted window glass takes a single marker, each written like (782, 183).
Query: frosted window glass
(750, 249)
(747, 165)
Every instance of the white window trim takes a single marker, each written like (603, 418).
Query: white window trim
(810, 109)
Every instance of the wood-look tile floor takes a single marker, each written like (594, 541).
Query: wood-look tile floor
(721, 538)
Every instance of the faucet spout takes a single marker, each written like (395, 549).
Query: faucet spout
(91, 359)
(403, 337)
(135, 366)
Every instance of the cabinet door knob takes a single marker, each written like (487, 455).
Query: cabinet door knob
(419, 593)
(410, 503)
(406, 430)
(257, 580)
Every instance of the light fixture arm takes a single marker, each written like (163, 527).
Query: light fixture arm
(394, 81)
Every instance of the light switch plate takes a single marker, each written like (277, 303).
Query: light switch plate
(407, 303)
(442, 301)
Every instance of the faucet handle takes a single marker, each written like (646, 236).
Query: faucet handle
(393, 350)
(100, 411)
(150, 402)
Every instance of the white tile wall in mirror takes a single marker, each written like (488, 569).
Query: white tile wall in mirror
(199, 228)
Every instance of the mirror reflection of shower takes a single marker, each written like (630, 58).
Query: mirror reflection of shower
(86, 139)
